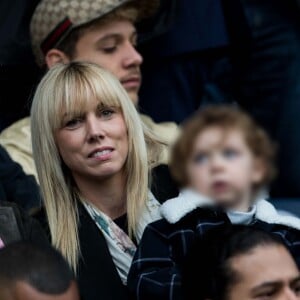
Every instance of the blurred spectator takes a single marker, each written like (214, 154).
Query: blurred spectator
(18, 72)
(237, 263)
(223, 163)
(31, 272)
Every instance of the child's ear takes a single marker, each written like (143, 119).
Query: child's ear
(259, 171)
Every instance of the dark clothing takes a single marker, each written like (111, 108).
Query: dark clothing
(16, 186)
(156, 268)
(16, 225)
(179, 75)
(18, 71)
(266, 77)
(15, 45)
(163, 186)
(97, 274)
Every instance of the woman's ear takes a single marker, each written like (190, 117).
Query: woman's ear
(55, 56)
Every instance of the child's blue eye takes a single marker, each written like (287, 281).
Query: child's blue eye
(200, 158)
(230, 153)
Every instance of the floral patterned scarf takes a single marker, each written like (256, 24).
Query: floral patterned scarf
(120, 246)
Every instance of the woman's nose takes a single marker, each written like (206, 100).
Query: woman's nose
(94, 129)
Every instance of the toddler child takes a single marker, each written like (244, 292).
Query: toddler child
(223, 163)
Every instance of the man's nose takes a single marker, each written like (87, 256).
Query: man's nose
(132, 57)
(289, 294)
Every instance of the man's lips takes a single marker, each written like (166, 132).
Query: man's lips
(131, 82)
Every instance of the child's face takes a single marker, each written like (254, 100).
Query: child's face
(223, 167)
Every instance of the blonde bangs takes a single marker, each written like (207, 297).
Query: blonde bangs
(75, 92)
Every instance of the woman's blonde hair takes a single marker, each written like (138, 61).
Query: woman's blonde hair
(68, 88)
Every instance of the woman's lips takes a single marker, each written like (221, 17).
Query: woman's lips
(101, 155)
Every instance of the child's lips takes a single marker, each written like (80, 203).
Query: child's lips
(220, 186)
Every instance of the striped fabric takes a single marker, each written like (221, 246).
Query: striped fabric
(155, 272)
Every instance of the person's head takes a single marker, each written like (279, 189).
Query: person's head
(223, 154)
(32, 272)
(98, 31)
(85, 129)
(240, 262)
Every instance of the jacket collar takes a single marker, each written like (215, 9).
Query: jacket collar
(188, 200)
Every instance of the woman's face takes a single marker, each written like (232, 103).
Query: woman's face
(93, 144)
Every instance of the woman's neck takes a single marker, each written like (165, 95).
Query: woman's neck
(108, 195)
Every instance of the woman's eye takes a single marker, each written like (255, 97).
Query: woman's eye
(230, 153)
(200, 158)
(74, 123)
(107, 113)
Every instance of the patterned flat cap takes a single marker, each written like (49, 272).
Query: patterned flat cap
(53, 20)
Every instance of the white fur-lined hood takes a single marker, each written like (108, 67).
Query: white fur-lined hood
(188, 200)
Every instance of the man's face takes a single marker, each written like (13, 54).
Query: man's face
(24, 291)
(112, 46)
(266, 273)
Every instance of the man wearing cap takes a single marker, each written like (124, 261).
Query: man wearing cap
(98, 31)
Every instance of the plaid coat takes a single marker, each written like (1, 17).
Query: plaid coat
(156, 269)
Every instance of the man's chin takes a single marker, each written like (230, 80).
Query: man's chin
(133, 95)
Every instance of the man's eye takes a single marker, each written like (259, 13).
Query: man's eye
(296, 288)
(267, 295)
(230, 153)
(109, 50)
(200, 158)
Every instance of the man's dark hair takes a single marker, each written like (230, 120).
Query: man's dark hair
(43, 268)
(207, 273)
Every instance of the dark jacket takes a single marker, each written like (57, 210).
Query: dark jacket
(97, 275)
(156, 268)
(16, 186)
(15, 225)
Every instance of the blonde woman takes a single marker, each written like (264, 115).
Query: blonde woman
(92, 163)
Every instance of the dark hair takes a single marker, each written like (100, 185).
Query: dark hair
(42, 267)
(207, 272)
(227, 117)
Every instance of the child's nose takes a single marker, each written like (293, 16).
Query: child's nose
(217, 163)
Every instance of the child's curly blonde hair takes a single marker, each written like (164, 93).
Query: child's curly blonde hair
(226, 117)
